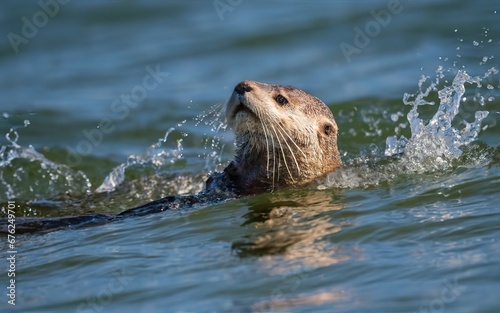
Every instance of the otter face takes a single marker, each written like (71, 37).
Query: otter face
(284, 136)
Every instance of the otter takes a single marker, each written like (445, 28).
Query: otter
(284, 137)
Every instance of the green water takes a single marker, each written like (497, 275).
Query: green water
(417, 232)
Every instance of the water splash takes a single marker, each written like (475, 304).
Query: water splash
(214, 144)
(157, 156)
(438, 141)
(434, 145)
(28, 174)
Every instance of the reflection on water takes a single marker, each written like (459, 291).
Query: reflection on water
(293, 225)
(288, 231)
(280, 303)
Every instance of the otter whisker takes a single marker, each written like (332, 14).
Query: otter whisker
(291, 152)
(283, 153)
(273, 149)
(292, 140)
(264, 129)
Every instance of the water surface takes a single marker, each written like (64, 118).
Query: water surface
(409, 225)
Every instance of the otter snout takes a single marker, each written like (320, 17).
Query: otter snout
(243, 87)
(238, 101)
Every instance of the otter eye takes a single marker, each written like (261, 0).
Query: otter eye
(328, 129)
(281, 100)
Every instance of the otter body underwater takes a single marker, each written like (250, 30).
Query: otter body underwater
(284, 137)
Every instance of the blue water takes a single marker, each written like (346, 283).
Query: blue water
(417, 232)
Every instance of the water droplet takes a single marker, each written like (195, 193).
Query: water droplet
(437, 136)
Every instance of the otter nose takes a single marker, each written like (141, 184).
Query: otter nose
(242, 87)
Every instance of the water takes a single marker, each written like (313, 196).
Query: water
(410, 224)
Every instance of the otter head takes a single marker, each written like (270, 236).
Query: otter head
(284, 137)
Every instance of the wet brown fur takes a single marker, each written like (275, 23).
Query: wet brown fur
(278, 144)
